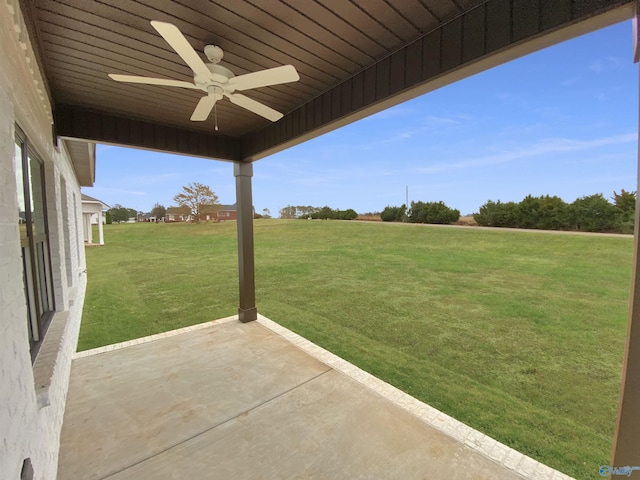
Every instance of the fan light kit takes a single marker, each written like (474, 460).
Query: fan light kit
(216, 80)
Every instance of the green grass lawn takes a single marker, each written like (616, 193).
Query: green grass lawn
(517, 334)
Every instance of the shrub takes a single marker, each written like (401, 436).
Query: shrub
(432, 212)
(325, 213)
(393, 214)
(349, 214)
(594, 213)
(498, 214)
(553, 214)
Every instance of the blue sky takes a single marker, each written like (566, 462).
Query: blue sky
(562, 121)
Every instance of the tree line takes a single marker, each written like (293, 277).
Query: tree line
(421, 212)
(118, 214)
(323, 213)
(592, 213)
(195, 199)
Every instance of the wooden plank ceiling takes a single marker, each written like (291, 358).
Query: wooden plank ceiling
(350, 54)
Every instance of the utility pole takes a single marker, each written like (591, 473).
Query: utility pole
(406, 204)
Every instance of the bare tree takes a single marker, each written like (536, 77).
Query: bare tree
(158, 211)
(196, 196)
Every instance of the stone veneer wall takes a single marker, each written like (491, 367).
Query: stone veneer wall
(32, 397)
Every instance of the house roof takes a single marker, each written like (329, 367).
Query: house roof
(210, 208)
(182, 210)
(87, 199)
(354, 58)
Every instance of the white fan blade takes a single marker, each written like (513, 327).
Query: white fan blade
(265, 78)
(203, 109)
(255, 107)
(175, 38)
(151, 81)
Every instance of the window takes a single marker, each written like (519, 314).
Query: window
(34, 241)
(66, 229)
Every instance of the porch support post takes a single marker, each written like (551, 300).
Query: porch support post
(247, 310)
(100, 228)
(626, 441)
(88, 231)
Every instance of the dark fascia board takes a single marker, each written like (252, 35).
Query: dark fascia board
(492, 33)
(78, 123)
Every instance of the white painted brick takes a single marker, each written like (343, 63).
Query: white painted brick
(28, 430)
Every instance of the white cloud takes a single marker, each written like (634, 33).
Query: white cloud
(608, 63)
(118, 191)
(596, 66)
(570, 82)
(545, 147)
(428, 124)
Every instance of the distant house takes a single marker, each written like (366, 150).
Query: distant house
(227, 212)
(178, 214)
(208, 213)
(221, 213)
(147, 217)
(93, 213)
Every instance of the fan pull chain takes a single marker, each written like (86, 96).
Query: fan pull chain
(215, 116)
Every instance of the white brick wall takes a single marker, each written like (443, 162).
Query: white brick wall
(32, 398)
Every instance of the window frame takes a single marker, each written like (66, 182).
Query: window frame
(35, 248)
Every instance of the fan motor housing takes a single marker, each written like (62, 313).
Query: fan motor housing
(220, 74)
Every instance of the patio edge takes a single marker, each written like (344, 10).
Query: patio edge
(499, 453)
(151, 338)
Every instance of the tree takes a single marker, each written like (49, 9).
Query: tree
(393, 214)
(498, 214)
(593, 213)
(625, 201)
(433, 212)
(324, 213)
(108, 219)
(196, 197)
(528, 212)
(119, 213)
(554, 213)
(266, 213)
(298, 211)
(288, 212)
(158, 211)
(349, 214)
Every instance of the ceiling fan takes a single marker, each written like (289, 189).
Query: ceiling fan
(216, 80)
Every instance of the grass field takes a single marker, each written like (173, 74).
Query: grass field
(517, 334)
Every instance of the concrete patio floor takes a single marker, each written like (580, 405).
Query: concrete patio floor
(226, 400)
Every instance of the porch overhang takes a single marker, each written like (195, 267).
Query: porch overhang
(354, 59)
(83, 157)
